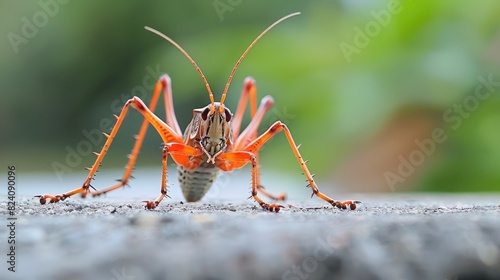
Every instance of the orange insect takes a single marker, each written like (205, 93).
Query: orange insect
(211, 142)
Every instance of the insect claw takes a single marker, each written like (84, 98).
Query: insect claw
(348, 205)
(298, 146)
(88, 168)
(105, 135)
(306, 161)
(96, 154)
(357, 205)
(150, 204)
(43, 200)
(272, 207)
(114, 115)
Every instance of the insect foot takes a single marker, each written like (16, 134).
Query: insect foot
(150, 204)
(273, 207)
(52, 199)
(348, 204)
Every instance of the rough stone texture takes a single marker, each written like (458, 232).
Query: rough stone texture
(392, 237)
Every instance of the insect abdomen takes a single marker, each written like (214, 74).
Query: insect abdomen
(195, 183)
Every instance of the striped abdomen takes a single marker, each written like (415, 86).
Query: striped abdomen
(195, 183)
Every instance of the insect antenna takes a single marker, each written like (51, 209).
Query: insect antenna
(211, 96)
(221, 108)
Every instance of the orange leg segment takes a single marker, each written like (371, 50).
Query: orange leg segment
(182, 152)
(164, 84)
(250, 132)
(166, 132)
(237, 159)
(249, 91)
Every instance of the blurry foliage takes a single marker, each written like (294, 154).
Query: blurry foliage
(91, 53)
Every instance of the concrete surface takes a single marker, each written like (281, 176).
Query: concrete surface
(392, 237)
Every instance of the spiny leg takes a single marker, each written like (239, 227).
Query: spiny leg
(237, 159)
(84, 189)
(163, 191)
(182, 154)
(249, 92)
(168, 135)
(273, 130)
(164, 84)
(250, 133)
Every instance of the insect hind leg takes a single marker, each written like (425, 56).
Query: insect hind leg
(250, 133)
(163, 83)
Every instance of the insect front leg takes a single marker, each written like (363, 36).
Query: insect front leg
(181, 154)
(237, 159)
(272, 131)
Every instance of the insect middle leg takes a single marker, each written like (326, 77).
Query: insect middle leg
(181, 153)
(250, 133)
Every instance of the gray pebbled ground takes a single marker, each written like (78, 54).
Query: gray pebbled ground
(392, 237)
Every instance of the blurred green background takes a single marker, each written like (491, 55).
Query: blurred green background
(357, 82)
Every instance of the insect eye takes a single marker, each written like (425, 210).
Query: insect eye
(228, 114)
(204, 114)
